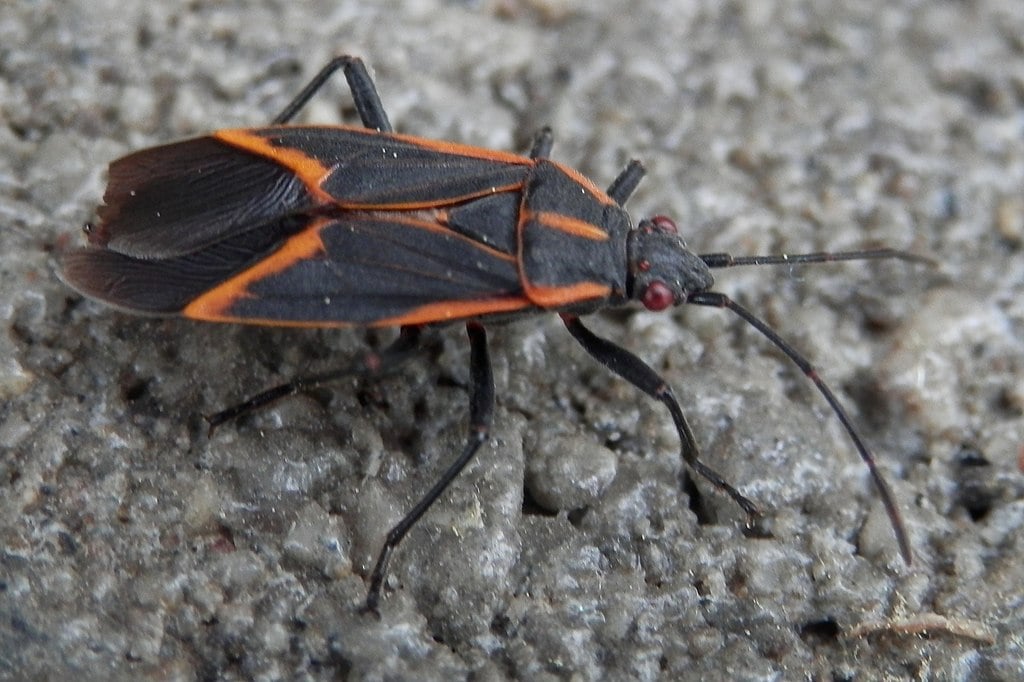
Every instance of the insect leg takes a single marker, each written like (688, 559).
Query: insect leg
(717, 300)
(481, 407)
(637, 372)
(364, 93)
(542, 143)
(372, 364)
(626, 182)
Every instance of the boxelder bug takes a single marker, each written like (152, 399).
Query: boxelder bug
(332, 226)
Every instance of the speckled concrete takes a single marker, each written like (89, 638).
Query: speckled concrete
(132, 546)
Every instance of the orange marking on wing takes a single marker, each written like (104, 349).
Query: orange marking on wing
(450, 311)
(310, 170)
(434, 313)
(212, 305)
(458, 149)
(435, 221)
(440, 146)
(429, 203)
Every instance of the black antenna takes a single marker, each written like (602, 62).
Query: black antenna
(725, 260)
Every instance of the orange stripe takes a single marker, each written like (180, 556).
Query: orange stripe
(212, 305)
(428, 203)
(440, 146)
(445, 147)
(433, 313)
(554, 297)
(438, 225)
(564, 223)
(449, 311)
(586, 182)
(310, 170)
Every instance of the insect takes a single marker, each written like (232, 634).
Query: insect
(335, 226)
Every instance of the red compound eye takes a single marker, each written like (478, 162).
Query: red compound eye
(657, 296)
(665, 224)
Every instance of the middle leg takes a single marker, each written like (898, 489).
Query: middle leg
(481, 409)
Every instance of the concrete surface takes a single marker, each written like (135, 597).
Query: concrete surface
(134, 547)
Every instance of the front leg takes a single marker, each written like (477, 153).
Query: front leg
(637, 372)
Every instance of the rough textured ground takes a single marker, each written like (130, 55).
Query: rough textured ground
(134, 547)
